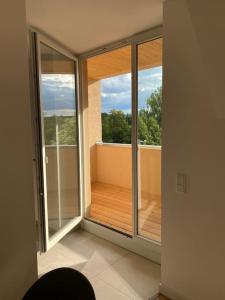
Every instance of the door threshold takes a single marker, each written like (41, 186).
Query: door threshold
(146, 248)
(109, 227)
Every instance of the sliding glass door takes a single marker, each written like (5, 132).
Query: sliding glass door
(109, 141)
(121, 112)
(148, 126)
(124, 97)
(59, 140)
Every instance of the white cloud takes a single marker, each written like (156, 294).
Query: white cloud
(116, 91)
(58, 80)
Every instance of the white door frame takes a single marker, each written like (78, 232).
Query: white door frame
(46, 242)
(139, 244)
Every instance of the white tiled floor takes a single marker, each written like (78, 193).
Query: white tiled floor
(114, 272)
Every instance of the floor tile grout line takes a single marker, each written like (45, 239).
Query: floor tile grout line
(108, 267)
(112, 256)
(97, 277)
(73, 232)
(122, 292)
(129, 253)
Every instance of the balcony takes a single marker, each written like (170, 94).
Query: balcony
(108, 117)
(111, 188)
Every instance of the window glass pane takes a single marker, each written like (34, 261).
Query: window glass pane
(109, 118)
(149, 138)
(59, 113)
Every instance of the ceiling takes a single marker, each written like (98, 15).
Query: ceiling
(118, 61)
(83, 25)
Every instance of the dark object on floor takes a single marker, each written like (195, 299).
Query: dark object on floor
(61, 284)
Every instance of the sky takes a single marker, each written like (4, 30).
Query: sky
(58, 91)
(58, 94)
(116, 91)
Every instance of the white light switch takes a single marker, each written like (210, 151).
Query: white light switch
(181, 183)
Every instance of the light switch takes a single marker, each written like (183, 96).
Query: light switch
(181, 183)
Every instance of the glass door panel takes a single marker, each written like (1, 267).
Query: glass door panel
(109, 139)
(60, 147)
(149, 65)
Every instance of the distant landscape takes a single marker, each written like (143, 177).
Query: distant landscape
(116, 125)
(60, 110)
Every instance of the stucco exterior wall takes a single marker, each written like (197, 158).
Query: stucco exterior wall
(114, 166)
(94, 123)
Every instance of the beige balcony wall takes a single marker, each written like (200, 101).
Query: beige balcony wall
(94, 123)
(114, 166)
(68, 180)
(150, 171)
(68, 159)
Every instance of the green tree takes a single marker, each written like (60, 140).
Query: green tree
(149, 120)
(50, 130)
(143, 134)
(154, 105)
(106, 132)
(66, 130)
(116, 125)
(116, 128)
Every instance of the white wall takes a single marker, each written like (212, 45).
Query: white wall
(18, 267)
(193, 237)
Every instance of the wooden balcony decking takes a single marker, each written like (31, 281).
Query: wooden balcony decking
(112, 206)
